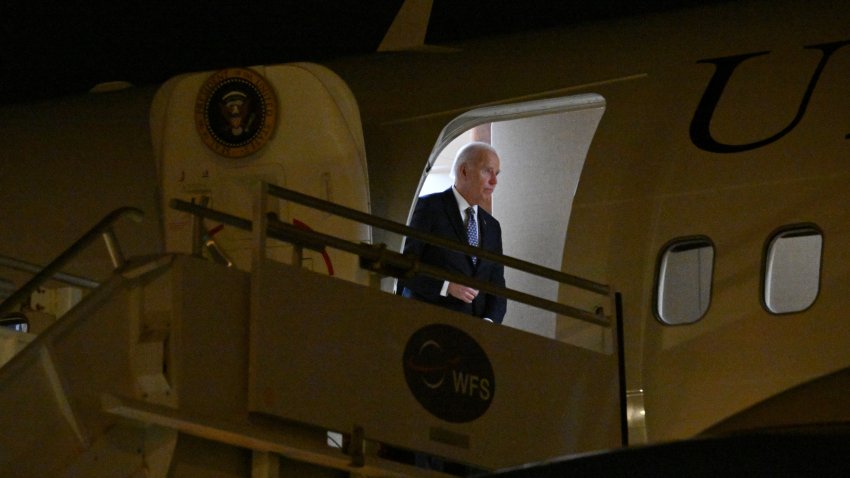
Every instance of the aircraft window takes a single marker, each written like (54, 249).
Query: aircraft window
(16, 322)
(684, 281)
(792, 269)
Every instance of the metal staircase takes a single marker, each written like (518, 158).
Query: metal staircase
(180, 366)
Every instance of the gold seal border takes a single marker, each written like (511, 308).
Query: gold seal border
(269, 111)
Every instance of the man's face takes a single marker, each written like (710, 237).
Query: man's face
(478, 178)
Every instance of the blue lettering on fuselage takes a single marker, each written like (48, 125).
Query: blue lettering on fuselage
(724, 67)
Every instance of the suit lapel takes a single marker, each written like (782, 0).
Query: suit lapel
(453, 213)
(482, 228)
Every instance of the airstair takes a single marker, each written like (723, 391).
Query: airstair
(178, 365)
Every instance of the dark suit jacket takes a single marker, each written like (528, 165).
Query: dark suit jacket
(438, 214)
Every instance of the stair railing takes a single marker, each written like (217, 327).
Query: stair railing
(101, 229)
(377, 258)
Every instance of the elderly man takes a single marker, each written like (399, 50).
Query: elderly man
(456, 213)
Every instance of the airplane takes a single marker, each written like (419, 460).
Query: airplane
(688, 165)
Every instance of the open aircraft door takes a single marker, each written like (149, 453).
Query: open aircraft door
(217, 135)
(542, 145)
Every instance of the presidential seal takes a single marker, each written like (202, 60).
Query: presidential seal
(235, 112)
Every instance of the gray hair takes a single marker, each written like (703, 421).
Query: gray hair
(468, 152)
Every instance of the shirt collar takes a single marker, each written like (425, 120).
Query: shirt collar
(462, 203)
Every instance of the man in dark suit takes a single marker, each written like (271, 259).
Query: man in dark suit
(456, 213)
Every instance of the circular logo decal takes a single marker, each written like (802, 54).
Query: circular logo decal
(235, 112)
(449, 373)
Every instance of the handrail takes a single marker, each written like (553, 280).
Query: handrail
(70, 279)
(102, 228)
(379, 259)
(405, 230)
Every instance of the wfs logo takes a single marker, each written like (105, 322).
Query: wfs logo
(449, 373)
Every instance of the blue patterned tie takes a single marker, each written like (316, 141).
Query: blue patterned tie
(472, 230)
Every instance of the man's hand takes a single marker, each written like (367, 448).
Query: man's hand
(462, 292)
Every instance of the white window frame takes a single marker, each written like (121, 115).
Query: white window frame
(782, 293)
(669, 281)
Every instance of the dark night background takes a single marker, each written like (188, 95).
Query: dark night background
(52, 48)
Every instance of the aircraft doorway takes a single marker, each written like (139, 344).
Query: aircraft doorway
(542, 146)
